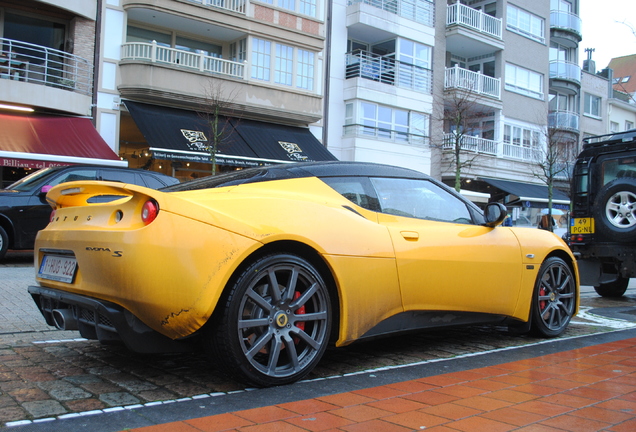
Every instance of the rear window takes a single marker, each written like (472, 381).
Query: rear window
(618, 168)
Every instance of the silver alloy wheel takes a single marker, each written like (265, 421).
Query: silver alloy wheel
(283, 320)
(556, 296)
(621, 209)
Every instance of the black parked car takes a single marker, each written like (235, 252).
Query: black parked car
(603, 224)
(23, 207)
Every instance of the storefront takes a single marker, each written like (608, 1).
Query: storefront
(528, 202)
(31, 142)
(179, 142)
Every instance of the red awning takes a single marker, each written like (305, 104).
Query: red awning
(40, 141)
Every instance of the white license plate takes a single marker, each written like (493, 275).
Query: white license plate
(58, 268)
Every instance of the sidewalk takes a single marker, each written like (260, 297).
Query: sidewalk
(591, 388)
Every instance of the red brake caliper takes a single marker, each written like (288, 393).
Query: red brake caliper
(299, 311)
(542, 303)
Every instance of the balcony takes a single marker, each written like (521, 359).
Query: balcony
(474, 82)
(565, 120)
(471, 33)
(470, 143)
(155, 53)
(420, 11)
(388, 70)
(565, 27)
(459, 14)
(22, 61)
(565, 76)
(526, 154)
(230, 5)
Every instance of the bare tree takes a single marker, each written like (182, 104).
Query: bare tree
(554, 160)
(218, 106)
(461, 112)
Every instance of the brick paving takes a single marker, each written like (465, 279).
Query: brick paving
(587, 389)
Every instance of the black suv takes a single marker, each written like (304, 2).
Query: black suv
(23, 207)
(603, 224)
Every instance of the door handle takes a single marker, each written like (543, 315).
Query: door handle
(410, 235)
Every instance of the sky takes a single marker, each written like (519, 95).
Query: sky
(603, 29)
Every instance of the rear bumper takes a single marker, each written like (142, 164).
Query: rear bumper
(105, 321)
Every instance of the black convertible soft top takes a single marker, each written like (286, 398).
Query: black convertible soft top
(297, 170)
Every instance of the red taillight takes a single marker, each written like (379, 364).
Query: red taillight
(52, 216)
(149, 211)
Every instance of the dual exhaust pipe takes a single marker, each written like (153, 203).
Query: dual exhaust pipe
(64, 319)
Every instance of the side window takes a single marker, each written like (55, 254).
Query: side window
(358, 190)
(75, 175)
(119, 176)
(420, 199)
(152, 182)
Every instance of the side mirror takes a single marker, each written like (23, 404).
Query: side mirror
(495, 214)
(45, 189)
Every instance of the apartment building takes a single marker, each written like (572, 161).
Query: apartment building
(47, 51)
(180, 80)
(507, 69)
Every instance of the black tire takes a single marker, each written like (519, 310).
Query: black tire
(4, 243)
(613, 289)
(269, 337)
(615, 210)
(554, 298)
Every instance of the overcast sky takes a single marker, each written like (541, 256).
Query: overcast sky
(603, 30)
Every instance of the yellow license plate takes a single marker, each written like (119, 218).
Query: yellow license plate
(582, 226)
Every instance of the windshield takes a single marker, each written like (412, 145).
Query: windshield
(27, 183)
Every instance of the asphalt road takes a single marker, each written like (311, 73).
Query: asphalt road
(47, 374)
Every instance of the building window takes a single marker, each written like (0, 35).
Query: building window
(613, 127)
(305, 74)
(525, 23)
(524, 81)
(305, 7)
(629, 125)
(287, 66)
(238, 50)
(384, 122)
(284, 63)
(261, 58)
(592, 105)
(308, 7)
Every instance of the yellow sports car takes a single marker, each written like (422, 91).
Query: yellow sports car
(267, 266)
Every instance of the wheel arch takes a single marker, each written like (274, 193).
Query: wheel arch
(571, 262)
(304, 251)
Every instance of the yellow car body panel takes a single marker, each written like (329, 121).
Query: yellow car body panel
(439, 269)
(171, 273)
(192, 260)
(536, 245)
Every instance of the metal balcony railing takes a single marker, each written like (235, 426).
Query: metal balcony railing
(568, 120)
(420, 11)
(231, 5)
(470, 143)
(458, 78)
(477, 20)
(523, 153)
(183, 59)
(565, 70)
(38, 64)
(388, 70)
(365, 131)
(565, 21)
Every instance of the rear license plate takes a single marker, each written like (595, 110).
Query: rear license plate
(582, 226)
(58, 268)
